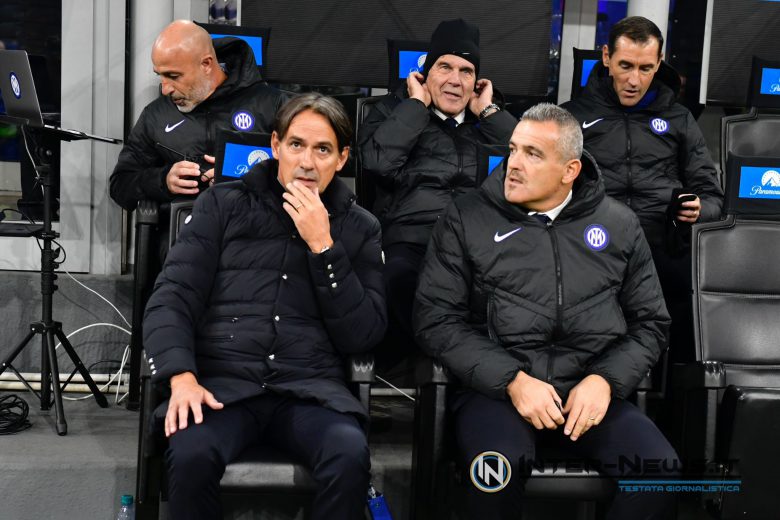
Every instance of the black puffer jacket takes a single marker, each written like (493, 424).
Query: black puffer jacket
(420, 165)
(500, 292)
(644, 154)
(142, 166)
(244, 304)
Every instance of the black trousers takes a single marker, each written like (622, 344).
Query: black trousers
(676, 279)
(331, 444)
(483, 424)
(402, 267)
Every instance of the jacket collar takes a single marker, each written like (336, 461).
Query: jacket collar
(262, 180)
(587, 192)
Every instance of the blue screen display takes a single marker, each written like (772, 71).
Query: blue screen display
(759, 182)
(410, 61)
(493, 162)
(256, 42)
(770, 81)
(587, 66)
(239, 158)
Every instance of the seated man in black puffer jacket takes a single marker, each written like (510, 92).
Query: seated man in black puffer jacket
(420, 145)
(538, 292)
(649, 149)
(273, 279)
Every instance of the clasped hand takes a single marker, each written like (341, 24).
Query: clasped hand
(539, 404)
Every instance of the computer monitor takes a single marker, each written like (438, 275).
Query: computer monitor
(237, 152)
(404, 56)
(764, 84)
(753, 185)
(584, 61)
(256, 37)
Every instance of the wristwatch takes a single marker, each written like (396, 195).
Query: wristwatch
(487, 109)
(326, 248)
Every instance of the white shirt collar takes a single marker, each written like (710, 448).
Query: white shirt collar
(459, 118)
(553, 213)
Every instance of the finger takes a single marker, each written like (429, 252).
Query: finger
(304, 194)
(534, 420)
(183, 412)
(583, 423)
(547, 417)
(311, 196)
(292, 200)
(212, 402)
(571, 421)
(557, 415)
(197, 413)
(292, 212)
(207, 175)
(209, 158)
(186, 191)
(170, 420)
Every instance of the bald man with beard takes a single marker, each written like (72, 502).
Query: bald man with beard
(206, 86)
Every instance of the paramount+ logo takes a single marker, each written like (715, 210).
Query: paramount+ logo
(759, 182)
(490, 472)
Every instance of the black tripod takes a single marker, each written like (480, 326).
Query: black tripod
(47, 327)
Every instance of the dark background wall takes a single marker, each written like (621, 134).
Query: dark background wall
(344, 43)
(740, 30)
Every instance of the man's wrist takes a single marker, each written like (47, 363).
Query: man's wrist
(492, 108)
(184, 377)
(320, 246)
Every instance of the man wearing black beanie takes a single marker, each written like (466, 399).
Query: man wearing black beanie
(420, 145)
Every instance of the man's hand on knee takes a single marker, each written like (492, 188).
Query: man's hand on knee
(536, 401)
(586, 406)
(186, 395)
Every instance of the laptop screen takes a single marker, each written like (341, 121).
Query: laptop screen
(18, 88)
(238, 152)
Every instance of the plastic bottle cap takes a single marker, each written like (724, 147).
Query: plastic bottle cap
(127, 500)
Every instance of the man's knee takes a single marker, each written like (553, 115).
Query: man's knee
(192, 457)
(344, 454)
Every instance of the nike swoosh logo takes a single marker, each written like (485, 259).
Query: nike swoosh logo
(498, 238)
(169, 128)
(585, 124)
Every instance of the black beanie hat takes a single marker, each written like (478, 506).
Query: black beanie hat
(456, 37)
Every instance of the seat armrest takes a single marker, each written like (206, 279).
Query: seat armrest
(147, 212)
(430, 371)
(360, 368)
(701, 374)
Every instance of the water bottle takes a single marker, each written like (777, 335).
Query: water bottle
(127, 509)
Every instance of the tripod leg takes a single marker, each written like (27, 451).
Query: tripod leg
(99, 397)
(62, 426)
(45, 371)
(10, 359)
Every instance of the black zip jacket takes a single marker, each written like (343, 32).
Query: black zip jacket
(244, 305)
(500, 292)
(644, 154)
(419, 164)
(143, 165)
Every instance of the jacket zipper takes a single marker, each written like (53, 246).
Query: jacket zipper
(558, 300)
(491, 335)
(629, 180)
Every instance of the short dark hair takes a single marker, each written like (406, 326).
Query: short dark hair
(321, 104)
(638, 29)
(569, 142)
